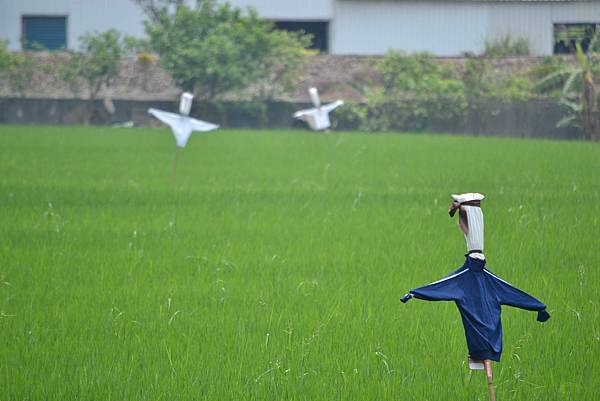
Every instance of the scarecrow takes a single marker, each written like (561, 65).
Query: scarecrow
(317, 118)
(477, 292)
(182, 125)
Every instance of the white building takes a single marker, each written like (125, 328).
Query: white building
(366, 27)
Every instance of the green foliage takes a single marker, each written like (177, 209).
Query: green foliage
(352, 116)
(133, 45)
(146, 59)
(281, 63)
(214, 48)
(95, 65)
(416, 90)
(17, 69)
(97, 62)
(575, 83)
(506, 46)
(486, 91)
(5, 55)
(483, 84)
(549, 77)
(154, 8)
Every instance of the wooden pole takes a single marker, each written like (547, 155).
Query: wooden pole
(490, 381)
(175, 161)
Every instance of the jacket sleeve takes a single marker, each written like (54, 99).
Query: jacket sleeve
(512, 296)
(446, 289)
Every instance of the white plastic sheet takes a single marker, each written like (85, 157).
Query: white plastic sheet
(185, 104)
(317, 118)
(182, 126)
(314, 97)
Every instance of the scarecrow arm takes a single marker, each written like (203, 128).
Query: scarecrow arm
(332, 106)
(512, 296)
(303, 113)
(170, 119)
(446, 289)
(202, 126)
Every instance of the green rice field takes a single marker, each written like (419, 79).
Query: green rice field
(271, 264)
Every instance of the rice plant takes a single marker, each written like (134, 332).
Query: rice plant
(271, 266)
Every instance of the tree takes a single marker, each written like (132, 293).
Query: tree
(154, 8)
(417, 93)
(281, 63)
(579, 94)
(16, 69)
(213, 48)
(95, 66)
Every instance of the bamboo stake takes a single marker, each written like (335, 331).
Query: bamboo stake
(175, 161)
(490, 382)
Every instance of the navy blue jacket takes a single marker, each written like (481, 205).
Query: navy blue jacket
(479, 294)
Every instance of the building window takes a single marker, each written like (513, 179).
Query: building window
(44, 33)
(567, 35)
(318, 29)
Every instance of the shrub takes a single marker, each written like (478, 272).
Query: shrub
(146, 59)
(486, 91)
(17, 69)
(417, 92)
(506, 45)
(351, 116)
(95, 66)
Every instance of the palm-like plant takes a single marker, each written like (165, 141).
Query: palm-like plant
(579, 94)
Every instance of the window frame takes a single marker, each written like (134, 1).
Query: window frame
(31, 16)
(595, 26)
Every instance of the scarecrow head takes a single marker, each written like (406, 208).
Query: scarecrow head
(458, 201)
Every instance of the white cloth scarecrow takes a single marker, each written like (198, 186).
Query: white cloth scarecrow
(181, 124)
(317, 118)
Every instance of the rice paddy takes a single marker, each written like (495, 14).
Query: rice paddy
(270, 265)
